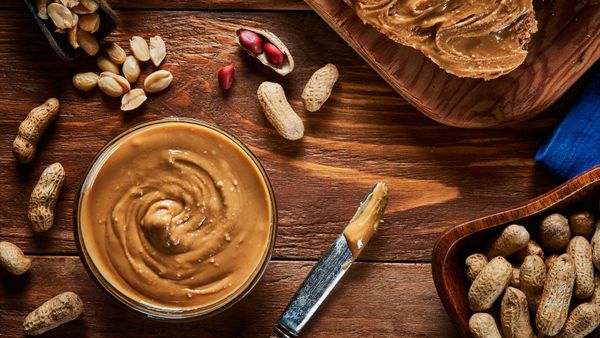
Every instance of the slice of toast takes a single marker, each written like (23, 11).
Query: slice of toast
(467, 38)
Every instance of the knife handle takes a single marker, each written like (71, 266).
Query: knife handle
(281, 332)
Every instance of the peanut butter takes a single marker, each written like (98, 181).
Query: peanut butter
(176, 215)
(480, 39)
(365, 222)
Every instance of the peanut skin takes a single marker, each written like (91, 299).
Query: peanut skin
(490, 284)
(483, 325)
(556, 297)
(514, 314)
(12, 259)
(583, 320)
(318, 88)
(532, 276)
(475, 263)
(32, 128)
(512, 239)
(581, 252)
(58, 310)
(44, 197)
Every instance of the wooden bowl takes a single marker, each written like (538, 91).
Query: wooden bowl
(566, 45)
(451, 249)
(59, 43)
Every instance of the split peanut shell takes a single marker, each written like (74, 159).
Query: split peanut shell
(286, 67)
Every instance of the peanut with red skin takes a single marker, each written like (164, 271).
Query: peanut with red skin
(274, 54)
(251, 41)
(225, 76)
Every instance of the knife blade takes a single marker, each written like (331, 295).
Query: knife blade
(325, 275)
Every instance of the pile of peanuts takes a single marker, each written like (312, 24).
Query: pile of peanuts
(66, 306)
(112, 83)
(78, 19)
(554, 281)
(267, 48)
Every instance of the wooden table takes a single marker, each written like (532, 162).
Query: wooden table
(440, 176)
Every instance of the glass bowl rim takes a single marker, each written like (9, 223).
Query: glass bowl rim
(163, 313)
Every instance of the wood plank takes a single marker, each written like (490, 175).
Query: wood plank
(360, 306)
(440, 176)
(261, 5)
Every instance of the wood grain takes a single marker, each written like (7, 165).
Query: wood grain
(358, 307)
(566, 45)
(263, 5)
(439, 176)
(455, 245)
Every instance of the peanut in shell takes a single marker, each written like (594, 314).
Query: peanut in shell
(556, 297)
(490, 284)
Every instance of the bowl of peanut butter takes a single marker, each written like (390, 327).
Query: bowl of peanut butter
(176, 219)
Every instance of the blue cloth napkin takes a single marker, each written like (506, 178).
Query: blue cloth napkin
(575, 145)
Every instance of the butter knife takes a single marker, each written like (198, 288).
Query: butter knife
(334, 264)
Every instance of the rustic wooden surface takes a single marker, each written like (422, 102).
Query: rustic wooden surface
(566, 45)
(439, 176)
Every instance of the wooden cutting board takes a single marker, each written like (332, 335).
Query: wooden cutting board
(566, 45)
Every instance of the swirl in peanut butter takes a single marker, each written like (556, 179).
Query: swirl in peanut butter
(482, 39)
(177, 216)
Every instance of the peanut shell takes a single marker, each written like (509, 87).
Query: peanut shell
(581, 252)
(512, 239)
(514, 314)
(278, 111)
(286, 67)
(556, 297)
(12, 259)
(583, 320)
(532, 276)
(318, 88)
(483, 325)
(58, 310)
(490, 284)
(474, 264)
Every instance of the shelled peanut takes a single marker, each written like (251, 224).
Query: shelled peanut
(117, 62)
(78, 19)
(532, 293)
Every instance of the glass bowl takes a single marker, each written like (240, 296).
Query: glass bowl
(168, 312)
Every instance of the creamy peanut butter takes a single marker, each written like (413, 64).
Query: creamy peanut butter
(481, 39)
(176, 215)
(365, 222)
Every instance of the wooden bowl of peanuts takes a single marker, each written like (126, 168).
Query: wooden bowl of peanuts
(73, 27)
(528, 268)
